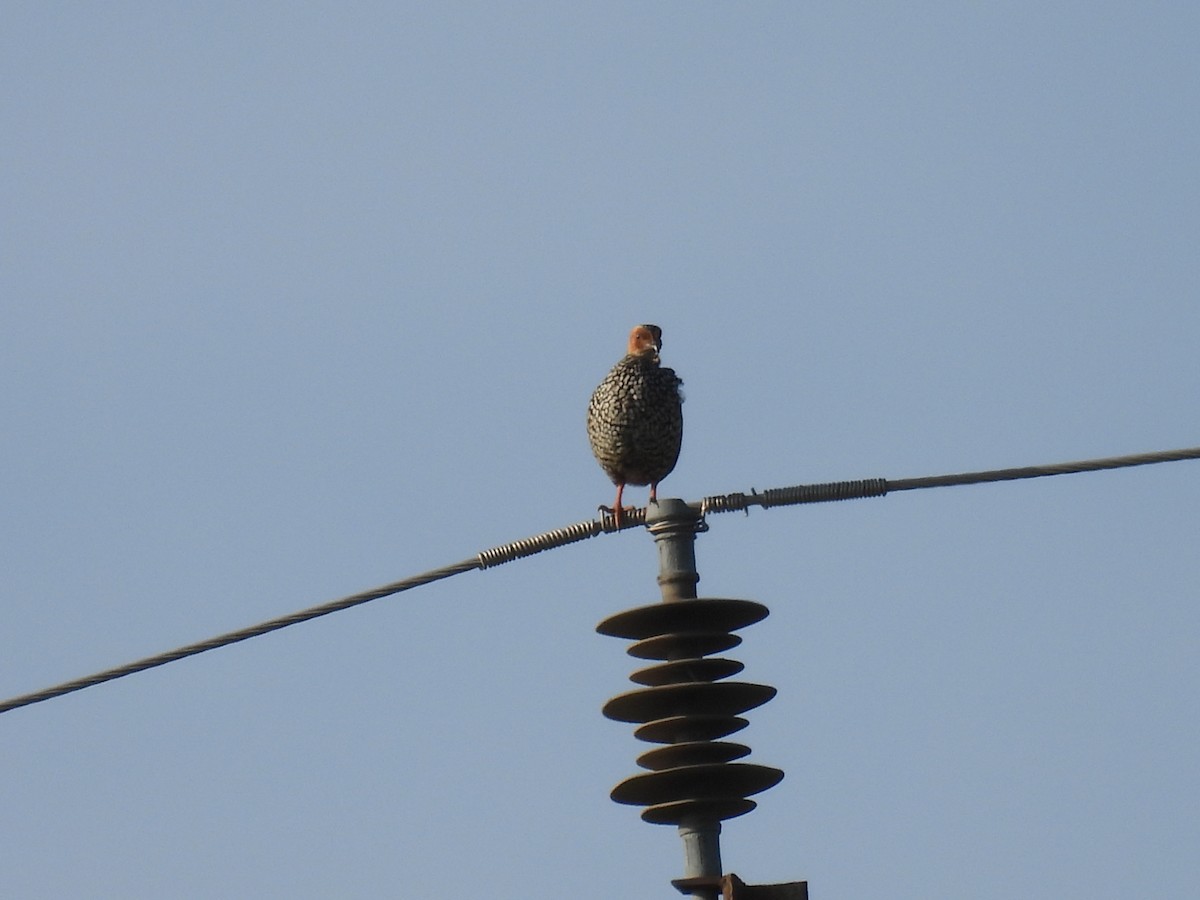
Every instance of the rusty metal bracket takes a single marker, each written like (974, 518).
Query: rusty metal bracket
(733, 888)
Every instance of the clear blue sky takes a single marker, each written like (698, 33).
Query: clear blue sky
(298, 299)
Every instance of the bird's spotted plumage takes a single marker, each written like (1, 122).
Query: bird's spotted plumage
(635, 417)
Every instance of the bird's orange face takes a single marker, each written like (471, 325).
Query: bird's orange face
(645, 340)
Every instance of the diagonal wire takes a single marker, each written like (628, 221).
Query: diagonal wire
(804, 493)
(879, 487)
(232, 637)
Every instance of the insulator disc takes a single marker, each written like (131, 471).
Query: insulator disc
(692, 753)
(677, 729)
(717, 781)
(706, 614)
(719, 698)
(674, 813)
(683, 646)
(683, 671)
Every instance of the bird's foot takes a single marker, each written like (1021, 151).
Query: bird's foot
(615, 512)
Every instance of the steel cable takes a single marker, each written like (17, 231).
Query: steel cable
(232, 637)
(804, 493)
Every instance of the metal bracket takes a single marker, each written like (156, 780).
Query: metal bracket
(733, 888)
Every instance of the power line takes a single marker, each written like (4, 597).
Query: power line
(804, 493)
(879, 487)
(232, 637)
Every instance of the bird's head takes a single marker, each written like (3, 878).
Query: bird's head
(645, 340)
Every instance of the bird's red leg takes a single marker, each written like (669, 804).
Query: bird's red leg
(654, 493)
(617, 506)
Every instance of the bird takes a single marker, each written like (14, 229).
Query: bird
(635, 418)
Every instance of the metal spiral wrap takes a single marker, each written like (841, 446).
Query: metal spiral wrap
(686, 706)
(546, 541)
(560, 537)
(800, 493)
